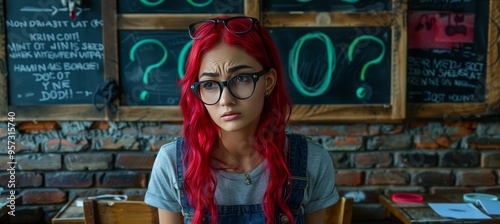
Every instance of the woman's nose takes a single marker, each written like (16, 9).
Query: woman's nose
(226, 97)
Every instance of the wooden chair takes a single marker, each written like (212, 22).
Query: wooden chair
(119, 212)
(340, 212)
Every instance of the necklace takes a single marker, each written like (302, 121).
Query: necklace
(247, 179)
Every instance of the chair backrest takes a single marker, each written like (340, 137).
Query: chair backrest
(340, 212)
(119, 212)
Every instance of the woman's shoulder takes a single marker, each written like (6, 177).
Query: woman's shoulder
(167, 152)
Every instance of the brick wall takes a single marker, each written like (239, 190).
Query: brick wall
(57, 161)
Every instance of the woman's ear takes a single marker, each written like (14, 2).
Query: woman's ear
(271, 78)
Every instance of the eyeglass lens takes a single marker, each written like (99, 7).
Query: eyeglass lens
(241, 87)
(203, 28)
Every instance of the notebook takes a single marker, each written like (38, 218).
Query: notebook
(491, 207)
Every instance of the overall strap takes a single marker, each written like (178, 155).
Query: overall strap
(180, 151)
(297, 162)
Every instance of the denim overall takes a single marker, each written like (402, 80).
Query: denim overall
(252, 214)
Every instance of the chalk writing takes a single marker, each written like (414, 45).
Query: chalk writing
(53, 60)
(455, 74)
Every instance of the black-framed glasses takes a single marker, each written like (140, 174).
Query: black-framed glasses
(241, 87)
(237, 25)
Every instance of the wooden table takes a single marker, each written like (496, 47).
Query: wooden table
(4, 209)
(410, 213)
(72, 212)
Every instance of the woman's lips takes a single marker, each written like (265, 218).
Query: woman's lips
(228, 116)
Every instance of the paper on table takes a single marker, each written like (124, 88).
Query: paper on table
(491, 207)
(458, 210)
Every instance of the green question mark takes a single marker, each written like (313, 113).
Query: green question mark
(144, 95)
(182, 59)
(361, 92)
(151, 4)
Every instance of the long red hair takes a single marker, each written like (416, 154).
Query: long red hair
(200, 131)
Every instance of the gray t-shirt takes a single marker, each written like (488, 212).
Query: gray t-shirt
(320, 193)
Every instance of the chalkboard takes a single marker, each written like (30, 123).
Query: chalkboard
(181, 6)
(447, 51)
(322, 5)
(151, 63)
(341, 65)
(51, 58)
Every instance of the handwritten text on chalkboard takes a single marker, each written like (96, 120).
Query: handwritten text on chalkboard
(53, 59)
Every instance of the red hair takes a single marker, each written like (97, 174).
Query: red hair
(200, 131)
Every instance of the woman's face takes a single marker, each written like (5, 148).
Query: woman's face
(230, 113)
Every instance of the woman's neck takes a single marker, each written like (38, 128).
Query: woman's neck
(237, 153)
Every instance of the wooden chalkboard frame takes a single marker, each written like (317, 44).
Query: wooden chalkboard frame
(492, 102)
(36, 112)
(393, 112)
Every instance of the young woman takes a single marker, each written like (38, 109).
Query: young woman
(235, 163)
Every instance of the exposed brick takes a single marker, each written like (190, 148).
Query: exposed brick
(69, 179)
(65, 145)
(490, 159)
(433, 178)
(74, 127)
(417, 158)
(21, 179)
(476, 178)
(39, 162)
(472, 125)
(163, 129)
(103, 125)
(122, 179)
(340, 160)
(488, 128)
(28, 214)
(37, 127)
(156, 144)
(111, 143)
(434, 142)
(43, 196)
(460, 158)
(458, 131)
(27, 143)
(390, 177)
(332, 130)
(385, 129)
(88, 161)
(343, 143)
(450, 190)
(135, 161)
(390, 142)
(349, 178)
(484, 142)
(417, 124)
(4, 162)
(3, 131)
(372, 159)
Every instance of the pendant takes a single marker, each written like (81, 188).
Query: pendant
(247, 179)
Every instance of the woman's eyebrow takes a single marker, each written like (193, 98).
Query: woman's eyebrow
(230, 70)
(236, 68)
